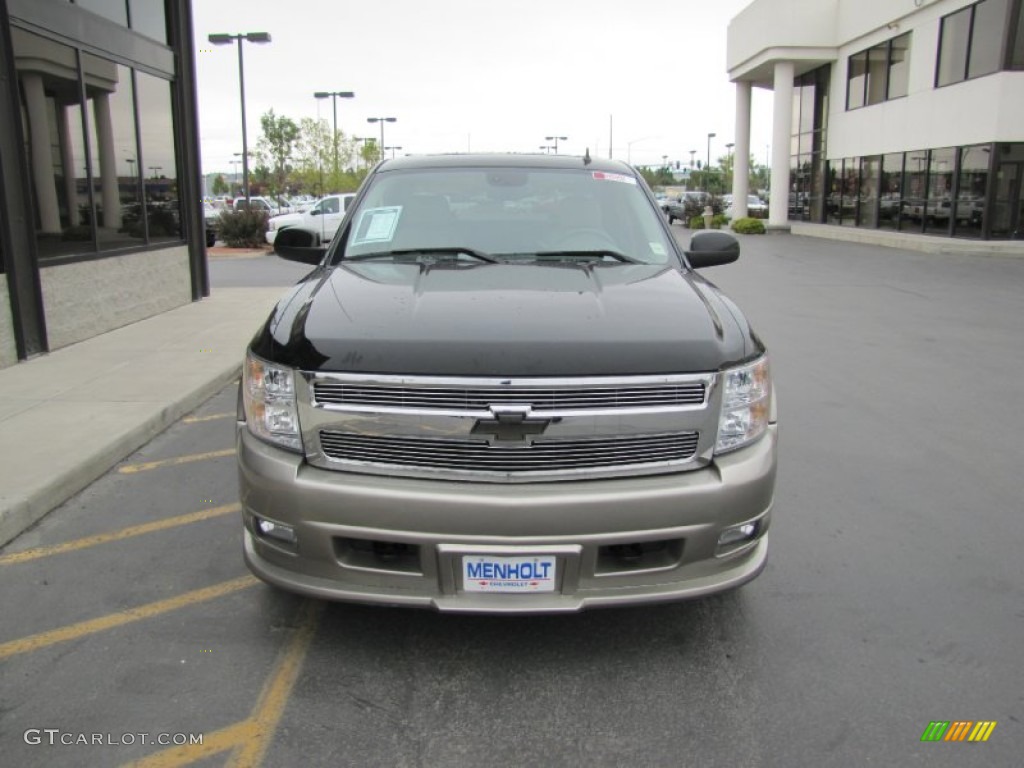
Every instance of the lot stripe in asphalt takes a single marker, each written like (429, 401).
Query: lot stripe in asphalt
(111, 620)
(131, 469)
(251, 737)
(211, 417)
(124, 533)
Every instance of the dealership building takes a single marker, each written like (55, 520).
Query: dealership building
(100, 213)
(893, 121)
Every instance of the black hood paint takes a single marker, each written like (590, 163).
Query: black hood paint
(505, 320)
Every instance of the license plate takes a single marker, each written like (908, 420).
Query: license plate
(485, 573)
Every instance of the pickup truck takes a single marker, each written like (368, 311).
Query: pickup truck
(505, 387)
(314, 226)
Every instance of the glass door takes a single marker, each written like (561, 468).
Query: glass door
(1008, 212)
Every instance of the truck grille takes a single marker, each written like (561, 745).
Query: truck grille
(477, 456)
(481, 397)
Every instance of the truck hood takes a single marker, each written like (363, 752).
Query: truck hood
(505, 320)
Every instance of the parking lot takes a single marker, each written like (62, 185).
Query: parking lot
(892, 598)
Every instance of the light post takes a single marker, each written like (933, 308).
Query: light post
(729, 148)
(629, 148)
(335, 95)
(556, 139)
(392, 148)
(382, 120)
(707, 167)
(693, 153)
(154, 169)
(547, 148)
(225, 39)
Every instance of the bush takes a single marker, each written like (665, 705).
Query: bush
(748, 226)
(720, 220)
(696, 222)
(242, 229)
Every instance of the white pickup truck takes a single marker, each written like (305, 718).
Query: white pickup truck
(320, 222)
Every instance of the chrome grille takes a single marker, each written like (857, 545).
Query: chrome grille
(481, 397)
(477, 456)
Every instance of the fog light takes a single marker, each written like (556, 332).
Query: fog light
(738, 534)
(277, 531)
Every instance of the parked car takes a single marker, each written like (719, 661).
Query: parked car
(688, 205)
(504, 388)
(756, 207)
(316, 225)
(267, 205)
(211, 216)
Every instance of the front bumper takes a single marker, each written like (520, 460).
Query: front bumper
(673, 520)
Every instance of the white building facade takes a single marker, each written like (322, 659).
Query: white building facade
(899, 116)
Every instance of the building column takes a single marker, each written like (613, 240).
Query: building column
(67, 162)
(108, 163)
(741, 160)
(42, 153)
(782, 130)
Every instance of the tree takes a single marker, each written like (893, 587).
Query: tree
(275, 147)
(220, 187)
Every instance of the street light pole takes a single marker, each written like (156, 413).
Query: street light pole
(392, 148)
(335, 95)
(382, 120)
(226, 39)
(708, 166)
(729, 148)
(556, 139)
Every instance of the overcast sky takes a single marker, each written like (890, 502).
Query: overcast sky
(481, 75)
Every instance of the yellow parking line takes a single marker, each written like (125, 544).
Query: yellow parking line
(251, 737)
(124, 533)
(211, 417)
(213, 743)
(277, 690)
(111, 620)
(130, 469)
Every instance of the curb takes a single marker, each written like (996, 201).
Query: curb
(19, 514)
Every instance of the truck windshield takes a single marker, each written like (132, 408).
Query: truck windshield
(510, 214)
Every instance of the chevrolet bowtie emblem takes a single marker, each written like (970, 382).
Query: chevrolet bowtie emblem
(511, 424)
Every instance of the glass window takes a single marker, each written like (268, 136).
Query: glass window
(851, 191)
(915, 175)
(1017, 55)
(954, 36)
(970, 199)
(877, 68)
(110, 116)
(939, 207)
(855, 78)
(115, 10)
(833, 181)
(807, 98)
(158, 158)
(987, 36)
(149, 17)
(870, 169)
(899, 66)
(51, 117)
(890, 196)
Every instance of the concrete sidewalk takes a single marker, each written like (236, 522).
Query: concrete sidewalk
(67, 417)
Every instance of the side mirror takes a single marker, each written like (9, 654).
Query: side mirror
(297, 245)
(709, 249)
(315, 212)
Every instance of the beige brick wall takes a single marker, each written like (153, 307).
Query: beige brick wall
(8, 349)
(88, 298)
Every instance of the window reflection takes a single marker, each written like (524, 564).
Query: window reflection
(914, 178)
(973, 185)
(115, 10)
(987, 37)
(856, 76)
(939, 207)
(870, 170)
(149, 17)
(156, 129)
(890, 186)
(955, 34)
(51, 117)
(110, 115)
(851, 192)
(899, 66)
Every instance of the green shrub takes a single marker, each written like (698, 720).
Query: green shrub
(696, 222)
(720, 220)
(242, 229)
(748, 226)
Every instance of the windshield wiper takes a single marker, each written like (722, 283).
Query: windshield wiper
(590, 254)
(455, 251)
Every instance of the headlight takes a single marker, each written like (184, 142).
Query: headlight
(746, 403)
(271, 225)
(271, 413)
